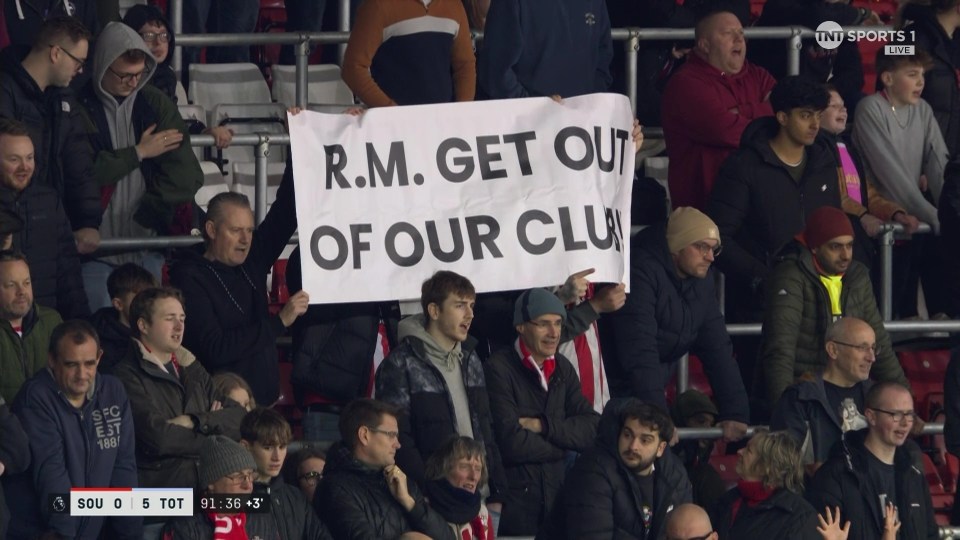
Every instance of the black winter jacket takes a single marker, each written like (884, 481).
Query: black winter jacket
(804, 408)
(115, 338)
(940, 89)
(200, 527)
(354, 502)
(292, 513)
(230, 328)
(334, 344)
(664, 318)
(91, 446)
(784, 516)
(535, 462)
(948, 210)
(408, 379)
(842, 481)
(63, 155)
(14, 454)
(35, 12)
(759, 207)
(164, 78)
(167, 454)
(601, 498)
(50, 248)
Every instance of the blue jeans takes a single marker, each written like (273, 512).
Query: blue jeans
(321, 427)
(95, 274)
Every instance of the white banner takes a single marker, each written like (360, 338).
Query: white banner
(511, 194)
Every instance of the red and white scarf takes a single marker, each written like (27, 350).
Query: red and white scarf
(229, 526)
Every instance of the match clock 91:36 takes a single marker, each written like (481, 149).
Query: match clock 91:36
(233, 504)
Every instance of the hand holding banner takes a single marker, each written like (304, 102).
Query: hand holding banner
(511, 194)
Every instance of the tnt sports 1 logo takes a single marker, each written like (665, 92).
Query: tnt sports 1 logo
(830, 35)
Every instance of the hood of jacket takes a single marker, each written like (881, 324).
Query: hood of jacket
(107, 323)
(116, 39)
(415, 328)
(651, 244)
(141, 14)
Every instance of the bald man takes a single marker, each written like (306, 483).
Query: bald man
(689, 521)
(874, 472)
(832, 404)
(707, 104)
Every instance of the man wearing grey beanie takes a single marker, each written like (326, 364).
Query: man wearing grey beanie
(226, 468)
(672, 310)
(539, 412)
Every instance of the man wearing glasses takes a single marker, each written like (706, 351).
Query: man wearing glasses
(873, 473)
(816, 283)
(818, 412)
(32, 83)
(364, 493)
(147, 170)
(672, 310)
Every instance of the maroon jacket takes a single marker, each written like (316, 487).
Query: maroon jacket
(699, 128)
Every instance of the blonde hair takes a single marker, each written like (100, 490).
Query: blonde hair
(778, 460)
(442, 462)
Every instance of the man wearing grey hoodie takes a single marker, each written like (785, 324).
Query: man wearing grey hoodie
(434, 376)
(147, 171)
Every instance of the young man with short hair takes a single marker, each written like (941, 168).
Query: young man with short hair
(782, 172)
(874, 472)
(172, 395)
(265, 434)
(435, 377)
(904, 152)
(626, 483)
(364, 493)
(113, 322)
(33, 82)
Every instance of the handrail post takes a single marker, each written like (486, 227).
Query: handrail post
(260, 189)
(886, 272)
(683, 374)
(302, 51)
(344, 27)
(176, 21)
(794, 44)
(630, 46)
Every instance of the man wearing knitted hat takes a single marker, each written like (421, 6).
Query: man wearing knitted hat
(539, 413)
(816, 283)
(226, 468)
(672, 310)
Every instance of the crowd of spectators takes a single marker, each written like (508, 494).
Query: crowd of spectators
(495, 414)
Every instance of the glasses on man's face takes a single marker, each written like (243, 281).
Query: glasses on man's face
(705, 249)
(242, 477)
(154, 37)
(392, 435)
(898, 416)
(127, 78)
(863, 348)
(79, 61)
(311, 477)
(704, 537)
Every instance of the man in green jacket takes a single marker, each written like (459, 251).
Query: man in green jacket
(147, 170)
(816, 283)
(25, 327)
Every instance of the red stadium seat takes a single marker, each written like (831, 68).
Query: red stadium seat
(286, 404)
(278, 290)
(698, 381)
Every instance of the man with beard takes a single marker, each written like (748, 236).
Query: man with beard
(816, 283)
(625, 485)
(25, 326)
